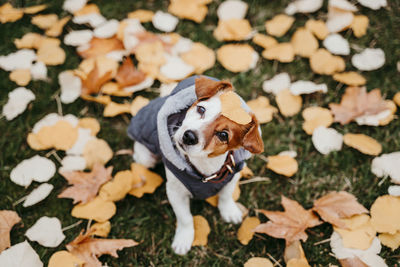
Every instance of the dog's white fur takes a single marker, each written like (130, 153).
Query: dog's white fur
(178, 194)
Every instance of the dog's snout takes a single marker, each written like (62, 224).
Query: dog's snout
(190, 138)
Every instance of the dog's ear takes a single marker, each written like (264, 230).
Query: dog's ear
(252, 140)
(206, 88)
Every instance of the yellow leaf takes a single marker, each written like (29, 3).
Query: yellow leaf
(64, 259)
(385, 215)
(21, 76)
(137, 104)
(363, 143)
(151, 180)
(315, 117)
(101, 99)
(288, 104)
(142, 15)
(283, 52)
(264, 41)
(10, 14)
(90, 123)
(29, 40)
(304, 43)
(246, 172)
(100, 229)
(61, 136)
(200, 57)
(279, 25)
(359, 25)
(188, 9)
(236, 57)
(51, 55)
(122, 183)
(390, 240)
(201, 231)
(245, 232)
(34, 9)
(262, 109)
(282, 164)
(258, 262)
(57, 28)
(232, 30)
(97, 151)
(294, 255)
(323, 62)
(97, 209)
(113, 109)
(351, 78)
(44, 21)
(318, 28)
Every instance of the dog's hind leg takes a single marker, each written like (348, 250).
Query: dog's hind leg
(230, 212)
(144, 156)
(179, 198)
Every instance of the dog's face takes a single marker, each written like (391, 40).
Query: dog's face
(205, 132)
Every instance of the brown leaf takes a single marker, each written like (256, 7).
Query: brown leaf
(338, 205)
(88, 249)
(127, 74)
(290, 224)
(357, 102)
(93, 82)
(85, 185)
(100, 47)
(352, 262)
(8, 219)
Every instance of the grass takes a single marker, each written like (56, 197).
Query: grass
(150, 220)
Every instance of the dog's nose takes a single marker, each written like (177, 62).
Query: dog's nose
(190, 138)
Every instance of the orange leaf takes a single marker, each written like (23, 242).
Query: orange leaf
(8, 219)
(290, 224)
(127, 74)
(88, 249)
(100, 47)
(338, 205)
(94, 81)
(85, 185)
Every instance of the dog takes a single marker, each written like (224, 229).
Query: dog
(202, 132)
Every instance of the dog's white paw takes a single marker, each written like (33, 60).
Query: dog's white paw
(230, 212)
(183, 240)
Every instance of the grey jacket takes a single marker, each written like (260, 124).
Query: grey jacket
(153, 127)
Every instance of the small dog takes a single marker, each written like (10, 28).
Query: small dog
(202, 132)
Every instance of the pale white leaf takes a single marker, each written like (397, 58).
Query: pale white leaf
(336, 44)
(373, 4)
(93, 19)
(167, 88)
(326, 140)
(72, 163)
(387, 165)
(84, 136)
(290, 153)
(78, 38)
(38, 194)
(338, 20)
(20, 255)
(342, 4)
(394, 190)
(303, 6)
(18, 100)
(107, 29)
(22, 59)
(73, 5)
(176, 69)
(52, 118)
(278, 83)
(71, 86)
(37, 168)
(369, 59)
(39, 71)
(164, 21)
(373, 120)
(307, 87)
(232, 9)
(146, 83)
(47, 232)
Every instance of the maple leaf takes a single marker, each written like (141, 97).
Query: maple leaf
(127, 74)
(85, 185)
(357, 102)
(93, 81)
(8, 219)
(99, 46)
(88, 249)
(337, 205)
(290, 224)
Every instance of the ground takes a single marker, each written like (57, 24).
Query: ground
(150, 220)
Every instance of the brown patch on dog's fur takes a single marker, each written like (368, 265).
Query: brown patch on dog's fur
(206, 88)
(239, 135)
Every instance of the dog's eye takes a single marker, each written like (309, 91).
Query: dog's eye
(223, 136)
(201, 110)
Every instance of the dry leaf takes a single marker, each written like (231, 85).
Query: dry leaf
(50, 54)
(315, 117)
(363, 143)
(97, 209)
(100, 229)
(151, 53)
(38, 194)
(324, 63)
(351, 78)
(283, 164)
(236, 57)
(112, 88)
(359, 25)
(245, 232)
(318, 28)
(99, 47)
(337, 44)
(85, 185)
(283, 52)
(88, 249)
(142, 15)
(8, 219)
(127, 74)
(294, 255)
(357, 102)
(164, 21)
(279, 25)
(233, 30)
(65, 259)
(262, 109)
(21, 76)
(138, 103)
(391, 240)
(232, 9)
(188, 9)
(90, 123)
(369, 59)
(290, 224)
(97, 151)
(34, 9)
(258, 262)
(396, 98)
(94, 80)
(44, 21)
(18, 100)
(352, 262)
(151, 180)
(57, 28)
(200, 57)
(10, 14)
(201, 231)
(385, 215)
(264, 41)
(304, 43)
(101, 99)
(113, 109)
(231, 108)
(288, 104)
(122, 183)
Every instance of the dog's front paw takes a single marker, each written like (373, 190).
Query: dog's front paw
(230, 212)
(183, 240)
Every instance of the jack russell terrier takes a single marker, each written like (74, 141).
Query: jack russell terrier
(203, 132)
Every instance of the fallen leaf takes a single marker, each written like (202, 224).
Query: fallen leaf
(201, 231)
(44, 21)
(277, 83)
(10, 14)
(233, 30)
(352, 262)
(339, 19)
(99, 46)
(138, 103)
(107, 30)
(288, 104)
(101, 99)
(351, 78)
(262, 109)
(51, 54)
(326, 140)
(57, 28)
(36, 168)
(62, 136)
(85, 185)
(113, 109)
(318, 28)
(18, 100)
(307, 87)
(315, 117)
(151, 53)
(97, 209)
(8, 219)
(128, 75)
(88, 249)
(94, 80)
(90, 123)
(78, 38)
(232, 9)
(46, 231)
(21, 76)
(279, 25)
(264, 41)
(396, 98)
(258, 262)
(303, 6)
(97, 151)
(38, 194)
(290, 224)
(21, 254)
(175, 69)
(200, 57)
(357, 102)
(363, 143)
(385, 217)
(34, 9)
(304, 43)
(390, 240)
(369, 59)
(236, 57)
(337, 44)
(100, 229)
(282, 164)
(151, 180)
(70, 86)
(122, 183)
(324, 63)
(65, 259)
(387, 165)
(359, 25)
(164, 21)
(186, 9)
(283, 52)
(373, 4)
(294, 255)
(245, 232)
(231, 108)
(142, 15)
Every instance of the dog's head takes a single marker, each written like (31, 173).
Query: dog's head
(215, 124)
